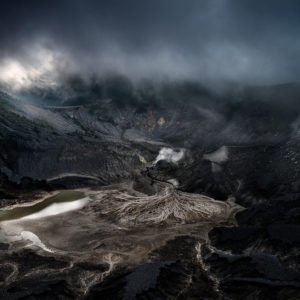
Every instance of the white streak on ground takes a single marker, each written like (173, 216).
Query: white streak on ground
(66, 175)
(12, 231)
(58, 208)
(28, 235)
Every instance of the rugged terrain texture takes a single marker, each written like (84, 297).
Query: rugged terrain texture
(243, 145)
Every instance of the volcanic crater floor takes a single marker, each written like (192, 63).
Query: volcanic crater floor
(113, 229)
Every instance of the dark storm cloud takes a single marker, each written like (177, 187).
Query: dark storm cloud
(252, 41)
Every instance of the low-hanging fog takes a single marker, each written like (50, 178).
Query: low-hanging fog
(248, 42)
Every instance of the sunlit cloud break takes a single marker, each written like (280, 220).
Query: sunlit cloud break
(39, 69)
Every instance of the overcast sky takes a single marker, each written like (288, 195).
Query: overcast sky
(253, 41)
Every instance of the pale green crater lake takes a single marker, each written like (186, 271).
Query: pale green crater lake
(23, 211)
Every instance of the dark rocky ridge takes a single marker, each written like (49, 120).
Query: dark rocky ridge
(107, 141)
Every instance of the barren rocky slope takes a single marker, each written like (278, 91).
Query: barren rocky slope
(244, 145)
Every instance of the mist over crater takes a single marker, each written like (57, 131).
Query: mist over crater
(149, 150)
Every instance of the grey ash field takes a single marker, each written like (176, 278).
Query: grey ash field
(180, 193)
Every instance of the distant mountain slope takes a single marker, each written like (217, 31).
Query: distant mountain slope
(110, 139)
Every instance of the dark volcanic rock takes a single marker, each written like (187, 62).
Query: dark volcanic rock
(244, 144)
(174, 272)
(264, 260)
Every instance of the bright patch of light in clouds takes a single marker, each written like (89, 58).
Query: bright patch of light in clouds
(38, 70)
